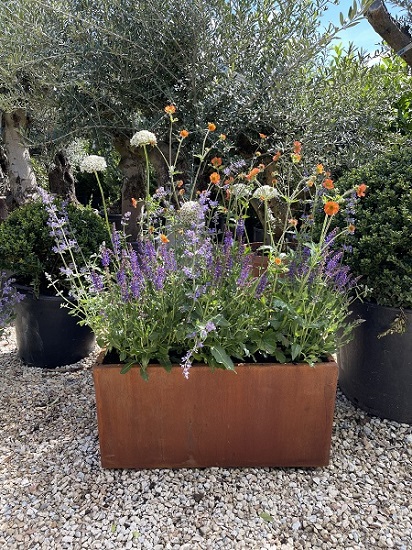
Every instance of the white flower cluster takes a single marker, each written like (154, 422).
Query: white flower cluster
(240, 190)
(93, 163)
(189, 212)
(144, 137)
(265, 193)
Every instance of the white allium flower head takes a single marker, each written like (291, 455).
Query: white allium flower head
(240, 190)
(189, 212)
(265, 193)
(144, 137)
(93, 163)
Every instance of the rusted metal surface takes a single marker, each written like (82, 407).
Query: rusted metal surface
(264, 415)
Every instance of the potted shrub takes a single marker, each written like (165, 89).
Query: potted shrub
(205, 363)
(46, 335)
(376, 366)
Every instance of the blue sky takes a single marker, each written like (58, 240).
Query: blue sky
(362, 35)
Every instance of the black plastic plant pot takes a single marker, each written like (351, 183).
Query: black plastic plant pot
(375, 368)
(47, 335)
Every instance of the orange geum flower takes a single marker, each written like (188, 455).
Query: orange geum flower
(184, 133)
(262, 136)
(211, 126)
(297, 146)
(181, 192)
(293, 222)
(296, 157)
(319, 169)
(276, 157)
(328, 183)
(277, 261)
(214, 178)
(331, 208)
(163, 238)
(179, 183)
(310, 182)
(253, 173)
(361, 190)
(170, 109)
(216, 161)
(222, 137)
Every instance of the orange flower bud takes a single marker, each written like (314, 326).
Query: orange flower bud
(170, 109)
(163, 238)
(361, 190)
(211, 127)
(216, 161)
(276, 157)
(253, 173)
(319, 169)
(184, 133)
(297, 146)
(134, 203)
(222, 137)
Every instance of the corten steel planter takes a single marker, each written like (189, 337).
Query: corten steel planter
(262, 415)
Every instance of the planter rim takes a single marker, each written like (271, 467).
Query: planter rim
(26, 289)
(330, 361)
(374, 305)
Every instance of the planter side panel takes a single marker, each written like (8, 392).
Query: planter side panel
(264, 415)
(375, 371)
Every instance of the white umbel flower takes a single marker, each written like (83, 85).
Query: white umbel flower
(265, 193)
(189, 212)
(240, 190)
(144, 137)
(93, 163)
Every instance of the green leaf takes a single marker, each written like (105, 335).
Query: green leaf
(266, 517)
(280, 356)
(220, 321)
(222, 357)
(165, 361)
(296, 349)
(127, 367)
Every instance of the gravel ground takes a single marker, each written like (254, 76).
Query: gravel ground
(55, 495)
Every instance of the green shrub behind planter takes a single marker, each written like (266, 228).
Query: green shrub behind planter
(381, 244)
(26, 246)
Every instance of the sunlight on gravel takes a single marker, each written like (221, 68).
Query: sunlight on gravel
(54, 494)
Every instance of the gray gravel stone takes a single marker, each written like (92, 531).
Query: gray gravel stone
(55, 495)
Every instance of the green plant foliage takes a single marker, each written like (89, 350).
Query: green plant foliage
(26, 246)
(382, 252)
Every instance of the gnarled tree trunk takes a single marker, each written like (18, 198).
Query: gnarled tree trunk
(22, 180)
(398, 38)
(61, 180)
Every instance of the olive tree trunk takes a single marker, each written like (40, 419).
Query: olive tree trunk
(61, 179)
(389, 29)
(21, 178)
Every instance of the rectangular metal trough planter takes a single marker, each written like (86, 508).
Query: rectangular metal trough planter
(262, 415)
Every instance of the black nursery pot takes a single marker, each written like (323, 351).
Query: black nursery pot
(47, 336)
(375, 370)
